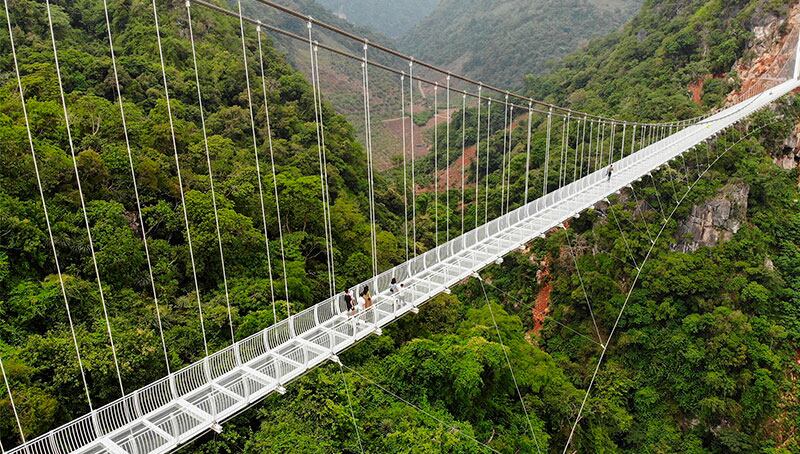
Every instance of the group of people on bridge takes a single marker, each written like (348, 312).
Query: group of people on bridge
(363, 301)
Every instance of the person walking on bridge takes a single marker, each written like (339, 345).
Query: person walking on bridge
(610, 170)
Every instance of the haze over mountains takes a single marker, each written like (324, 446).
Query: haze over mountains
(498, 42)
(394, 18)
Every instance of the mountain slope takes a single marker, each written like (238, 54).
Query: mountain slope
(645, 70)
(501, 42)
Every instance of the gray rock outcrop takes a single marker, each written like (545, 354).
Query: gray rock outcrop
(714, 220)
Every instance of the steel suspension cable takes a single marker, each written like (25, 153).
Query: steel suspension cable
(436, 163)
(641, 212)
(583, 287)
(426, 413)
(350, 406)
(370, 166)
(564, 123)
(478, 154)
(545, 315)
(274, 174)
(579, 134)
(508, 362)
(429, 66)
(83, 199)
(210, 172)
(135, 187)
(508, 174)
(612, 144)
(319, 155)
(601, 148)
(405, 152)
(503, 158)
(591, 143)
(326, 196)
(486, 175)
(180, 179)
(638, 275)
(579, 166)
(658, 196)
(547, 152)
(46, 213)
(528, 154)
(464, 153)
(624, 237)
(413, 152)
(447, 165)
(13, 405)
(325, 163)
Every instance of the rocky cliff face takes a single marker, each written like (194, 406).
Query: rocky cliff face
(790, 156)
(770, 54)
(774, 44)
(714, 220)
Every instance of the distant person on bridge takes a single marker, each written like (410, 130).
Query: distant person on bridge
(610, 170)
(395, 290)
(367, 297)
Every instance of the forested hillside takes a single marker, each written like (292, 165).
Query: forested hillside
(393, 18)
(646, 69)
(500, 42)
(705, 356)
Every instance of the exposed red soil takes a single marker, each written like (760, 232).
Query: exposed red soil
(696, 89)
(454, 169)
(542, 306)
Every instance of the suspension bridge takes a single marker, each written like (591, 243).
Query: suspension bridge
(189, 402)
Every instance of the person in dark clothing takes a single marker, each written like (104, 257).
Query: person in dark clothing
(349, 301)
(610, 170)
